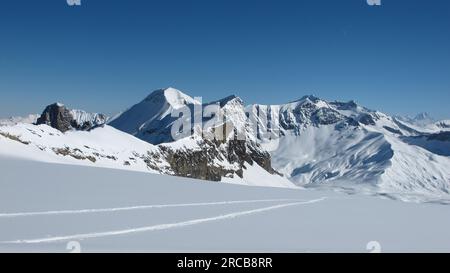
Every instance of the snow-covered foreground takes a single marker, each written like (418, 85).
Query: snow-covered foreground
(45, 206)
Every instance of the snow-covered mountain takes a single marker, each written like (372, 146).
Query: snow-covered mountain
(73, 136)
(344, 145)
(443, 125)
(60, 117)
(420, 120)
(151, 118)
(108, 147)
(333, 144)
(425, 123)
(208, 157)
(309, 142)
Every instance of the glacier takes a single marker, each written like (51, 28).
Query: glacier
(51, 207)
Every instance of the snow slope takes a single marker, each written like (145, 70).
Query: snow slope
(363, 160)
(416, 171)
(348, 147)
(101, 147)
(110, 148)
(324, 155)
(51, 207)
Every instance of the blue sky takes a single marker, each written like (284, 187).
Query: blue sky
(105, 56)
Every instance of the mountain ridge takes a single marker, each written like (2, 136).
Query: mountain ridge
(310, 141)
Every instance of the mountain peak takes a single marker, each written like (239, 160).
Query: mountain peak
(303, 98)
(310, 97)
(172, 96)
(226, 100)
(307, 98)
(421, 119)
(423, 116)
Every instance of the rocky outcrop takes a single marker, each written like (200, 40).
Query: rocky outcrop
(61, 118)
(444, 124)
(56, 116)
(216, 159)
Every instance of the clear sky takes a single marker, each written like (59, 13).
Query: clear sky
(106, 55)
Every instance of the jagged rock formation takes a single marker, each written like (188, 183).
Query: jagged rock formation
(213, 160)
(444, 124)
(59, 117)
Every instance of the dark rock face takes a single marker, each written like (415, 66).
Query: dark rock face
(196, 164)
(366, 119)
(87, 125)
(59, 117)
(443, 125)
(203, 163)
(392, 130)
(56, 116)
(351, 105)
(241, 151)
(325, 116)
(308, 114)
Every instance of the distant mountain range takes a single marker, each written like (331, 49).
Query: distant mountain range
(309, 142)
(15, 120)
(424, 122)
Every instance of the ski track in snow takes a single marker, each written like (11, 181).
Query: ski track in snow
(83, 211)
(160, 226)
